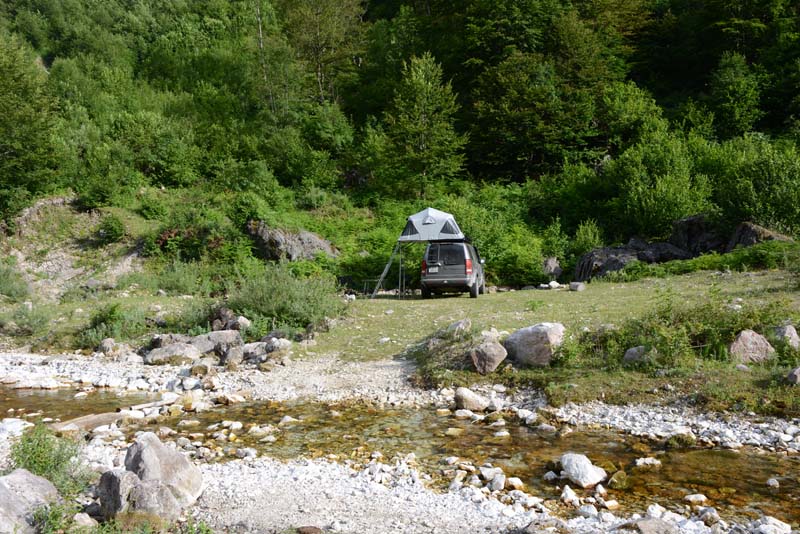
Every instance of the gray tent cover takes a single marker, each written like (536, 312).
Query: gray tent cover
(431, 225)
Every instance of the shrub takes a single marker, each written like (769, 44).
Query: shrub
(273, 298)
(676, 334)
(113, 321)
(42, 453)
(152, 207)
(31, 321)
(111, 229)
(12, 285)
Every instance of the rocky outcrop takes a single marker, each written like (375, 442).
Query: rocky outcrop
(690, 237)
(22, 492)
(696, 236)
(535, 345)
(601, 261)
(276, 244)
(751, 347)
(157, 480)
(748, 234)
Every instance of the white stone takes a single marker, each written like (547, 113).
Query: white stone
(579, 469)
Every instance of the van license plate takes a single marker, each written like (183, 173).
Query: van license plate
(433, 269)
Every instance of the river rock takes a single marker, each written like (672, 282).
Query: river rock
(535, 345)
(107, 345)
(151, 460)
(770, 525)
(12, 427)
(22, 492)
(579, 469)
(569, 496)
(651, 526)
(788, 335)
(487, 356)
(751, 347)
(174, 354)
(794, 376)
(466, 399)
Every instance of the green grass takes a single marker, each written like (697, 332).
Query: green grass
(712, 383)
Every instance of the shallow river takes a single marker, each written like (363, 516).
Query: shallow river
(735, 482)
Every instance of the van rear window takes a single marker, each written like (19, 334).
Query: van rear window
(446, 253)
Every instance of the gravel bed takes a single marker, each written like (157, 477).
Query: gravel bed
(660, 422)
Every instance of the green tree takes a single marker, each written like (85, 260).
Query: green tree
(27, 115)
(425, 148)
(735, 95)
(326, 34)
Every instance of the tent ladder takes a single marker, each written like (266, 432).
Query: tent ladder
(386, 270)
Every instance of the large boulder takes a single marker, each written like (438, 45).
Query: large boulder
(487, 356)
(751, 347)
(174, 354)
(696, 236)
(22, 492)
(113, 491)
(748, 234)
(466, 399)
(151, 460)
(276, 244)
(579, 469)
(788, 334)
(599, 262)
(535, 345)
(552, 268)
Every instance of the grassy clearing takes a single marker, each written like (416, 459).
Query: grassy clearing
(710, 380)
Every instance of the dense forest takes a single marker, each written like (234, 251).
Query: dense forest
(548, 127)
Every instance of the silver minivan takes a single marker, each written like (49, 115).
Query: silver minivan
(452, 267)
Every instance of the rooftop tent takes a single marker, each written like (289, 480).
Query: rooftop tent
(431, 225)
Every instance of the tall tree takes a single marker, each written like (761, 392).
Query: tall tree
(326, 35)
(26, 127)
(425, 149)
(735, 95)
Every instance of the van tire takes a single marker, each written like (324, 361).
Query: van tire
(482, 289)
(473, 290)
(426, 293)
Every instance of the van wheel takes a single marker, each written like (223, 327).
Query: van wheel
(473, 291)
(482, 289)
(426, 293)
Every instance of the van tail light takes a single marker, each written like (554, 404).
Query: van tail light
(468, 265)
(424, 267)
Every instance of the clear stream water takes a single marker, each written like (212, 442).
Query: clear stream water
(735, 482)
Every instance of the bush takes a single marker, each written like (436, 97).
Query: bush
(31, 321)
(675, 334)
(42, 453)
(273, 298)
(113, 321)
(12, 285)
(111, 229)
